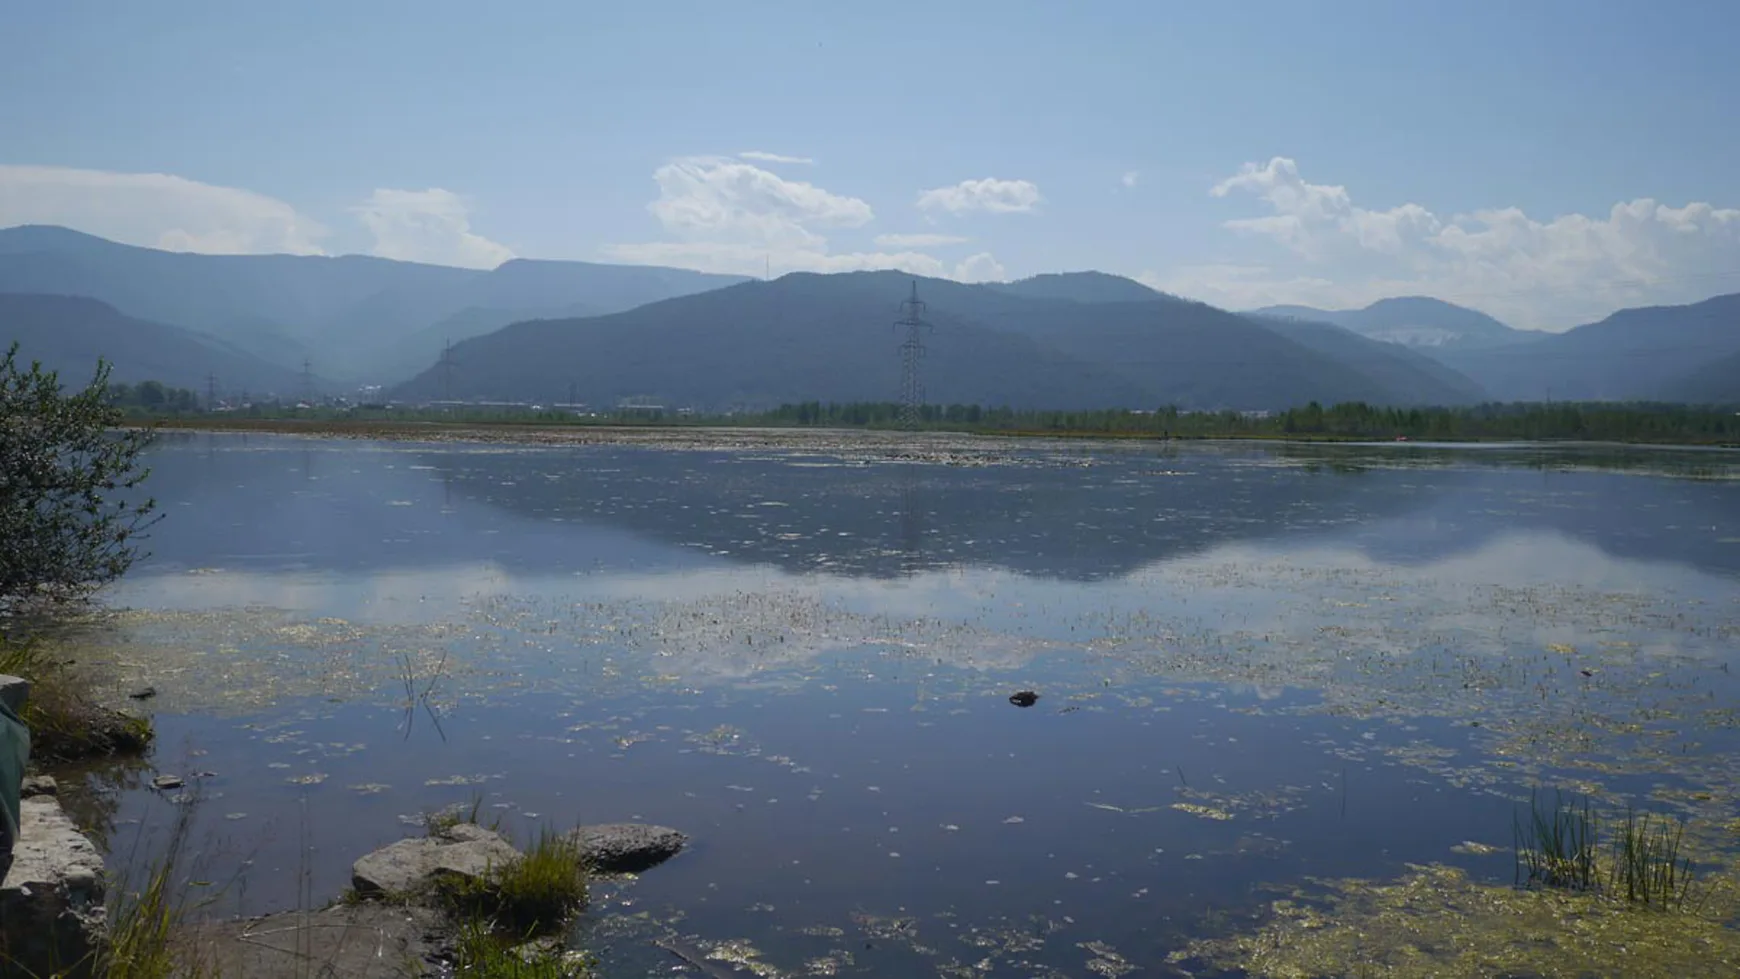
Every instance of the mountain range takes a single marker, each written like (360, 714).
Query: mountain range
(353, 319)
(1412, 321)
(540, 330)
(831, 337)
(67, 334)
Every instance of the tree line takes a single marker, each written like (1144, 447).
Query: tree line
(1597, 421)
(1525, 421)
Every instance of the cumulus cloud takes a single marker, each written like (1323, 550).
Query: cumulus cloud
(742, 259)
(730, 216)
(714, 199)
(1549, 273)
(155, 210)
(431, 225)
(990, 195)
(763, 157)
(919, 241)
(980, 268)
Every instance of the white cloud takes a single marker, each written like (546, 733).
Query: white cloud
(744, 259)
(431, 225)
(762, 157)
(1131, 177)
(990, 195)
(1554, 273)
(731, 216)
(980, 268)
(155, 210)
(713, 199)
(919, 241)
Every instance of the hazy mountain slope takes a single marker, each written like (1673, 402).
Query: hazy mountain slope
(831, 337)
(762, 344)
(353, 315)
(1414, 321)
(1635, 354)
(1196, 356)
(1081, 287)
(1412, 377)
(68, 334)
(1717, 382)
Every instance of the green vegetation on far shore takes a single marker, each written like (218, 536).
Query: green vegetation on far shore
(1642, 423)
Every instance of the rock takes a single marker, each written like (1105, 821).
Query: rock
(1024, 698)
(356, 941)
(164, 783)
(144, 693)
(35, 785)
(410, 866)
(14, 692)
(627, 848)
(51, 903)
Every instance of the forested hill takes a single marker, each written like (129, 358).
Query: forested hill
(830, 337)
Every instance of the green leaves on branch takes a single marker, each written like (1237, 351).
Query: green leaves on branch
(71, 513)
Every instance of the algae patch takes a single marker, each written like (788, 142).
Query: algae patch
(1436, 922)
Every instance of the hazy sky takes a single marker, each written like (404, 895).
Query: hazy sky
(1544, 161)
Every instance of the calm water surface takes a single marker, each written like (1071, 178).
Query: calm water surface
(1257, 666)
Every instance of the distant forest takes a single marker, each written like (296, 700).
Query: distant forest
(1638, 422)
(1659, 423)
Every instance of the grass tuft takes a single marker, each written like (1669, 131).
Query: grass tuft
(65, 723)
(482, 953)
(440, 821)
(1555, 846)
(144, 923)
(1647, 866)
(533, 895)
(1561, 847)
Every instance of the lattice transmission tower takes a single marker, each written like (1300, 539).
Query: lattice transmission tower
(911, 359)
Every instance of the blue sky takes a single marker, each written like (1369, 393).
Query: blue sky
(1545, 161)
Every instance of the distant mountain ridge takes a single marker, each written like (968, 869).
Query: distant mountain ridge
(68, 334)
(533, 330)
(1650, 353)
(356, 318)
(829, 337)
(1412, 321)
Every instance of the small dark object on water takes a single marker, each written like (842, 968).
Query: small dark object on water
(145, 694)
(1025, 698)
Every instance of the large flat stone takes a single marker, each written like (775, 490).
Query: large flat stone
(364, 941)
(410, 866)
(627, 848)
(51, 903)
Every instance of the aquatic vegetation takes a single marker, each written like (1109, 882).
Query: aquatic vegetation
(1561, 846)
(1556, 845)
(1648, 868)
(1436, 923)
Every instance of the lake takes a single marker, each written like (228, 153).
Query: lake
(1290, 698)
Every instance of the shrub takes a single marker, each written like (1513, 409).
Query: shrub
(68, 517)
